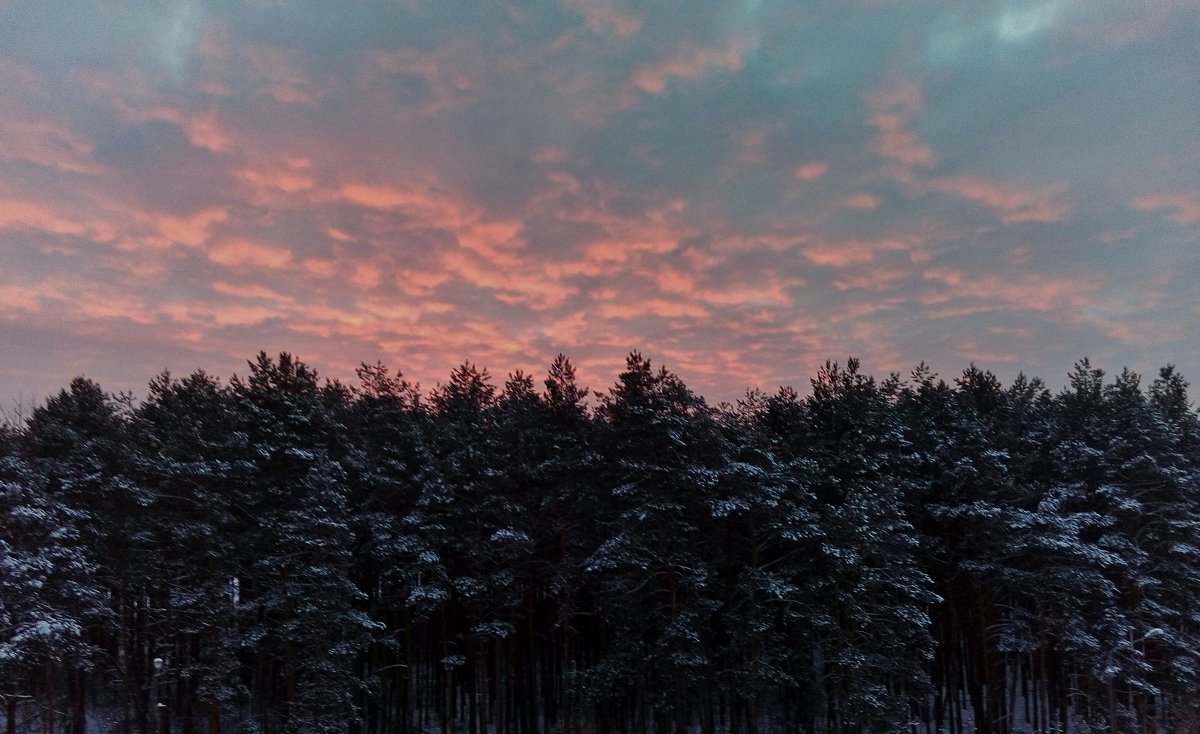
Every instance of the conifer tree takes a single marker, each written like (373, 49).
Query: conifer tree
(185, 450)
(663, 452)
(299, 604)
(873, 633)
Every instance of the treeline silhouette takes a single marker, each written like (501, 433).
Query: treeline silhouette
(279, 553)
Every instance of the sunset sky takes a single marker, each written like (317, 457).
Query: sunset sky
(739, 189)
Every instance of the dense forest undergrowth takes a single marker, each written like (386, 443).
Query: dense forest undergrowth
(278, 553)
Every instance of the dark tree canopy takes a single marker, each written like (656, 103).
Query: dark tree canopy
(283, 553)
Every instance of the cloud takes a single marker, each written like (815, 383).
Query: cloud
(1018, 22)
(859, 200)
(236, 314)
(751, 146)
(1013, 203)
(1184, 208)
(177, 36)
(190, 230)
(812, 170)
(237, 252)
(519, 284)
(441, 80)
(873, 279)
(657, 307)
(1018, 292)
(621, 250)
(132, 94)
(16, 214)
(250, 290)
(603, 16)
(892, 109)
(282, 77)
(845, 253)
(268, 184)
(432, 184)
(690, 63)
(46, 142)
(389, 197)
(19, 298)
(674, 280)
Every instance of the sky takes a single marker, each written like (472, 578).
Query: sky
(739, 189)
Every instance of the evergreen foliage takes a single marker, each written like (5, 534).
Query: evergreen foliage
(280, 553)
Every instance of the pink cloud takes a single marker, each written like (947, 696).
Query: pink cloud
(389, 197)
(655, 307)
(1013, 203)
(250, 290)
(861, 201)
(844, 253)
(320, 268)
(293, 179)
(603, 17)
(204, 130)
(873, 279)
(674, 281)
(18, 298)
(46, 143)
(891, 112)
(131, 93)
(690, 63)
(497, 239)
(769, 292)
(244, 252)
(82, 299)
(621, 250)
(493, 238)
(812, 170)
(768, 240)
(366, 275)
(280, 74)
(389, 309)
(190, 231)
(16, 215)
(527, 285)
(551, 154)
(1184, 207)
(1026, 292)
(236, 314)
(419, 283)
(568, 331)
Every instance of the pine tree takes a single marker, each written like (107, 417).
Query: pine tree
(185, 447)
(873, 638)
(388, 464)
(663, 453)
(299, 604)
(78, 441)
(48, 598)
(769, 538)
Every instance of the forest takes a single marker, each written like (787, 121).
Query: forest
(281, 553)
